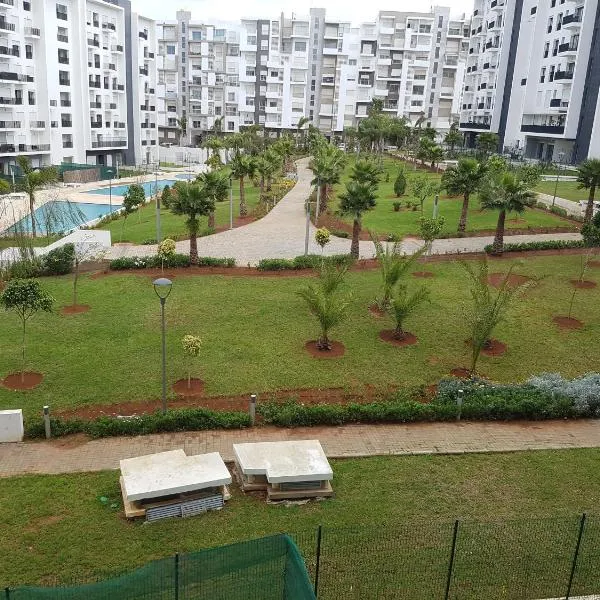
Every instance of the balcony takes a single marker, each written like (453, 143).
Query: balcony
(37, 124)
(67, 144)
(144, 71)
(7, 26)
(33, 32)
(119, 87)
(10, 124)
(112, 143)
(477, 126)
(5, 100)
(571, 21)
(112, 106)
(95, 84)
(95, 104)
(110, 26)
(22, 148)
(143, 35)
(121, 125)
(62, 38)
(6, 51)
(17, 77)
(95, 124)
(565, 76)
(545, 129)
(65, 103)
(559, 103)
(116, 48)
(567, 49)
(8, 2)
(95, 43)
(66, 123)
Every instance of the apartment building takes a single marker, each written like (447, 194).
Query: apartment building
(69, 74)
(532, 78)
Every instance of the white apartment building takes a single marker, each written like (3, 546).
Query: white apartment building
(533, 77)
(69, 75)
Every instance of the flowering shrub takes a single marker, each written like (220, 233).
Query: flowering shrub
(583, 391)
(191, 345)
(322, 237)
(166, 249)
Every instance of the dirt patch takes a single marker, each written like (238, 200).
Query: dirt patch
(39, 524)
(376, 311)
(461, 372)
(492, 347)
(423, 274)
(567, 322)
(337, 349)
(195, 387)
(517, 220)
(594, 263)
(387, 335)
(74, 309)
(22, 381)
(237, 222)
(433, 360)
(583, 284)
(514, 280)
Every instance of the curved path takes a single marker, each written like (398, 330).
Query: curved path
(281, 234)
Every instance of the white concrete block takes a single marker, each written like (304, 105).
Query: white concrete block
(11, 425)
(281, 462)
(173, 472)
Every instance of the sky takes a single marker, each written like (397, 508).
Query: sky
(356, 11)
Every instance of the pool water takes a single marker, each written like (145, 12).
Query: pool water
(59, 216)
(187, 176)
(120, 190)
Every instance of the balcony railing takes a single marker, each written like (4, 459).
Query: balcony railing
(553, 129)
(63, 60)
(567, 47)
(95, 124)
(10, 124)
(13, 148)
(6, 100)
(32, 31)
(95, 104)
(467, 125)
(116, 48)
(7, 26)
(62, 38)
(67, 144)
(119, 87)
(113, 143)
(8, 76)
(95, 84)
(143, 71)
(37, 124)
(8, 2)
(112, 105)
(66, 123)
(65, 103)
(562, 75)
(6, 51)
(571, 19)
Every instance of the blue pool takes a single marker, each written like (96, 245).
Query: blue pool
(186, 176)
(59, 216)
(119, 190)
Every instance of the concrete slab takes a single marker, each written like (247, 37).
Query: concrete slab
(173, 472)
(11, 425)
(280, 462)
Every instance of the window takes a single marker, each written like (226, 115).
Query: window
(431, 98)
(183, 27)
(27, 6)
(543, 75)
(250, 72)
(63, 78)
(439, 37)
(551, 76)
(61, 12)
(533, 10)
(28, 51)
(230, 96)
(546, 49)
(170, 49)
(559, 22)
(300, 46)
(433, 82)
(31, 97)
(352, 62)
(550, 22)
(553, 4)
(555, 48)
(437, 52)
(524, 81)
(264, 44)
(440, 22)
(197, 36)
(230, 126)
(63, 56)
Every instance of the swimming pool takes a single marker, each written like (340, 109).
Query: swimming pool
(119, 190)
(60, 216)
(187, 176)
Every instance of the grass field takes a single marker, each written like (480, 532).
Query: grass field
(8, 242)
(254, 330)
(140, 228)
(55, 529)
(384, 220)
(565, 189)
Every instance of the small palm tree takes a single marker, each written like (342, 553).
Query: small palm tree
(217, 187)
(324, 301)
(588, 177)
(302, 121)
(365, 171)
(464, 179)
(354, 201)
(487, 143)
(181, 128)
(192, 200)
(243, 166)
(505, 192)
(453, 138)
(327, 166)
(403, 305)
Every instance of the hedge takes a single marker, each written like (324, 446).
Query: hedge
(549, 245)
(177, 260)
(310, 261)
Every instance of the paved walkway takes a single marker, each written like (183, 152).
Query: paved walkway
(68, 455)
(281, 234)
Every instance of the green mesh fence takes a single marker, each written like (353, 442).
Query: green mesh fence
(270, 568)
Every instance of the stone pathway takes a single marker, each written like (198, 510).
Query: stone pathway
(75, 454)
(281, 234)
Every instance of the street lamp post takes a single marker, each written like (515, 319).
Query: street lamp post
(560, 159)
(158, 233)
(307, 233)
(162, 287)
(318, 209)
(110, 196)
(230, 202)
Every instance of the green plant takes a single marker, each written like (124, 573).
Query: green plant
(423, 187)
(430, 229)
(133, 199)
(487, 142)
(191, 347)
(588, 177)
(25, 297)
(59, 261)
(547, 245)
(327, 166)
(165, 196)
(216, 184)
(400, 183)
(403, 304)
(166, 249)
(356, 199)
(322, 237)
(397, 206)
(242, 166)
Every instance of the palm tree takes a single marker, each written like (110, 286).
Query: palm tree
(243, 166)
(214, 144)
(365, 171)
(463, 179)
(487, 142)
(356, 199)
(302, 121)
(403, 304)
(453, 138)
(588, 177)
(505, 192)
(218, 126)
(217, 187)
(192, 200)
(327, 166)
(181, 128)
(33, 181)
(436, 155)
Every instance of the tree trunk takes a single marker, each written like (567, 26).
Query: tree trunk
(211, 219)
(323, 198)
(262, 186)
(355, 246)
(31, 210)
(462, 223)
(75, 278)
(243, 207)
(498, 245)
(23, 352)
(194, 243)
(399, 332)
(589, 209)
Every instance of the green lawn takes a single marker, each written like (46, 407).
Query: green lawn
(565, 189)
(254, 330)
(55, 529)
(8, 242)
(384, 220)
(140, 228)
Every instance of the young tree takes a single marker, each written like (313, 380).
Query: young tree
(25, 297)
(463, 180)
(366, 171)
(133, 198)
(33, 181)
(354, 201)
(243, 166)
(322, 237)
(191, 347)
(422, 188)
(505, 192)
(165, 196)
(166, 250)
(435, 156)
(86, 249)
(453, 138)
(214, 144)
(327, 166)
(400, 183)
(588, 177)
(403, 305)
(300, 136)
(487, 143)
(194, 201)
(488, 307)
(217, 187)
(430, 230)
(324, 301)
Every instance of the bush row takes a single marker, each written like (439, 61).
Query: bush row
(189, 419)
(177, 260)
(56, 262)
(548, 245)
(310, 261)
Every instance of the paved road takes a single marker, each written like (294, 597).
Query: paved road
(70, 455)
(281, 234)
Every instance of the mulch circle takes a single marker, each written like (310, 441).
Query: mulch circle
(22, 381)
(387, 335)
(423, 274)
(583, 284)
(75, 309)
(493, 347)
(461, 372)
(496, 279)
(376, 311)
(594, 263)
(337, 349)
(568, 322)
(181, 388)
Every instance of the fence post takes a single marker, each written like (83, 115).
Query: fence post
(451, 563)
(319, 536)
(575, 556)
(177, 576)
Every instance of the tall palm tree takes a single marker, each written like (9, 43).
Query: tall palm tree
(365, 171)
(33, 181)
(302, 121)
(505, 192)
(218, 126)
(463, 179)
(243, 166)
(453, 138)
(193, 201)
(354, 201)
(217, 187)
(588, 177)
(214, 144)
(327, 166)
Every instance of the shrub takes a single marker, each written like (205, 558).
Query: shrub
(591, 231)
(173, 261)
(548, 245)
(412, 205)
(149, 242)
(339, 233)
(583, 391)
(310, 261)
(275, 264)
(397, 206)
(400, 184)
(59, 261)
(25, 268)
(559, 210)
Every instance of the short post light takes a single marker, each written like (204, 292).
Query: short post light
(459, 403)
(252, 409)
(162, 287)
